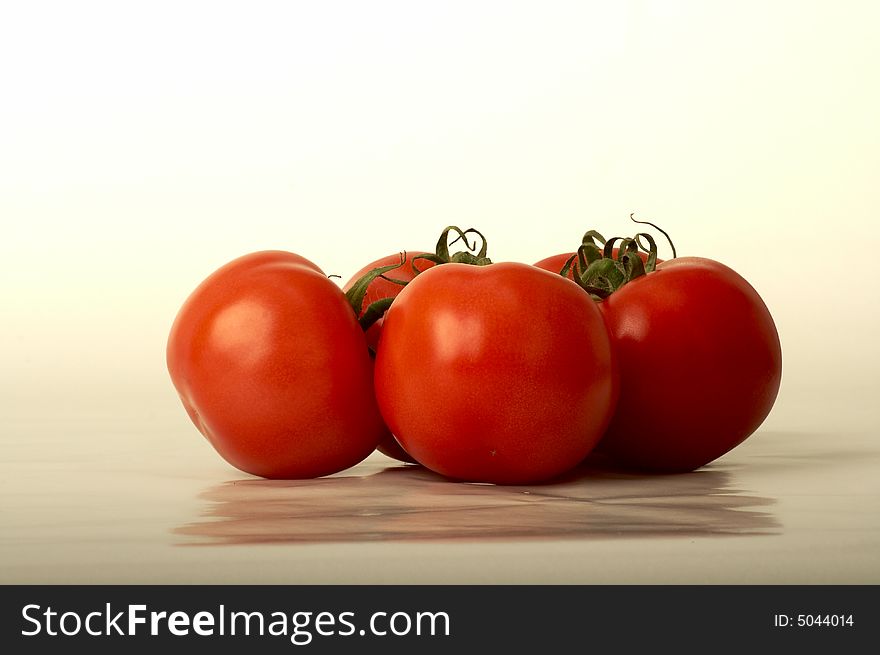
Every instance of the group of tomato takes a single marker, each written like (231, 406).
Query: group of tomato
(505, 373)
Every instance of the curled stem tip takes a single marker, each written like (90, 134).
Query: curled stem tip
(659, 229)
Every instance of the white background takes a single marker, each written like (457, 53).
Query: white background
(142, 145)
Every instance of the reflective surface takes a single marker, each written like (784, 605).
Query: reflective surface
(100, 499)
(409, 503)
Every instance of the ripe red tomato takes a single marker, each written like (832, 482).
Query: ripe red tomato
(273, 368)
(500, 373)
(700, 365)
(382, 288)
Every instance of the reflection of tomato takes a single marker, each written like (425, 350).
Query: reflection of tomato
(500, 373)
(382, 288)
(700, 365)
(273, 368)
(555, 263)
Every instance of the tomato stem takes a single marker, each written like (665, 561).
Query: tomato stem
(374, 312)
(471, 255)
(601, 272)
(659, 229)
(358, 290)
(441, 252)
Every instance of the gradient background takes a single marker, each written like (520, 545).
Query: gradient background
(144, 145)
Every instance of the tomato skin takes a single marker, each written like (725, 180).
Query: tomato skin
(273, 368)
(555, 263)
(499, 373)
(381, 288)
(700, 365)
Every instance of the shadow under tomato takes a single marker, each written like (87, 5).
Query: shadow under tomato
(410, 503)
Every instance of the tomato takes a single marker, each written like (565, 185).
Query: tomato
(273, 368)
(700, 365)
(555, 263)
(500, 373)
(381, 288)
(378, 289)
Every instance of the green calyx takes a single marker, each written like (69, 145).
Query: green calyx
(358, 290)
(600, 273)
(441, 255)
(470, 256)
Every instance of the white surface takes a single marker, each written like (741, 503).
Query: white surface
(144, 500)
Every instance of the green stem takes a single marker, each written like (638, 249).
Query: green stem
(358, 290)
(374, 312)
(600, 273)
(440, 255)
(659, 229)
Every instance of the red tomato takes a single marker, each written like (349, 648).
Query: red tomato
(500, 373)
(555, 263)
(273, 368)
(378, 289)
(382, 288)
(700, 365)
